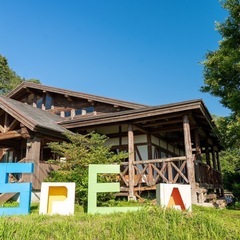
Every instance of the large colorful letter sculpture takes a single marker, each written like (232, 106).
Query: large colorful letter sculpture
(23, 188)
(94, 187)
(57, 198)
(176, 196)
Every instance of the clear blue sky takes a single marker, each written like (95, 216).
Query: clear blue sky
(144, 51)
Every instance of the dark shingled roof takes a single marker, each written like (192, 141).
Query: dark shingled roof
(33, 118)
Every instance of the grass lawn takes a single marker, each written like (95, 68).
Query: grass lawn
(150, 222)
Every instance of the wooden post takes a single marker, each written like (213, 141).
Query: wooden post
(198, 156)
(197, 145)
(218, 162)
(150, 170)
(170, 172)
(33, 149)
(131, 159)
(214, 159)
(219, 169)
(207, 154)
(188, 152)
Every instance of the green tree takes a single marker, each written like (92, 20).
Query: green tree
(222, 79)
(222, 67)
(80, 151)
(230, 157)
(8, 78)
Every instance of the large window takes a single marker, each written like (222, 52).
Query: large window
(89, 109)
(67, 113)
(48, 102)
(39, 102)
(78, 111)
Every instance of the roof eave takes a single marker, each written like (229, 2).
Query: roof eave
(134, 114)
(96, 98)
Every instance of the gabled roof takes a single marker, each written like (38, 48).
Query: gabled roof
(22, 89)
(144, 113)
(33, 118)
(158, 119)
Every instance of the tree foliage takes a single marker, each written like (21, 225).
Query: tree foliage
(222, 79)
(80, 151)
(222, 67)
(228, 130)
(8, 78)
(230, 157)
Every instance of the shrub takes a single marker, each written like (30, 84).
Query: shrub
(80, 151)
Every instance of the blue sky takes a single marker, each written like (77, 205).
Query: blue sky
(144, 51)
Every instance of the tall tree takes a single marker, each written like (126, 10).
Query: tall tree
(222, 73)
(222, 79)
(8, 78)
(222, 67)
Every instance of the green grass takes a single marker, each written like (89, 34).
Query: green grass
(149, 223)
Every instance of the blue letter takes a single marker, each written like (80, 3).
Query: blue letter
(23, 188)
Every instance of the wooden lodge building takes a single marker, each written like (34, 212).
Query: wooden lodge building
(171, 143)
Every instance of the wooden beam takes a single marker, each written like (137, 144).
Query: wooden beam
(167, 129)
(158, 118)
(13, 124)
(141, 129)
(188, 152)
(131, 159)
(6, 122)
(2, 129)
(214, 159)
(10, 134)
(25, 133)
(161, 123)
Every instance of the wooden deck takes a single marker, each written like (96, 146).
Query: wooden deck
(207, 177)
(148, 173)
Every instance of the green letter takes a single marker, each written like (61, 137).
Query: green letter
(94, 187)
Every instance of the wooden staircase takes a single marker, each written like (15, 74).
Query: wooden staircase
(4, 197)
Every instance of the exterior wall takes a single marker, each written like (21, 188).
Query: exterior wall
(158, 147)
(165, 147)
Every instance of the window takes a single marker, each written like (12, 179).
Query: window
(39, 102)
(78, 111)
(48, 102)
(89, 109)
(67, 113)
(30, 99)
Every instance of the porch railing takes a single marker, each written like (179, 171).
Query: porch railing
(148, 173)
(151, 172)
(206, 176)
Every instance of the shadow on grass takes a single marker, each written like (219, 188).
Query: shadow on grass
(34, 207)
